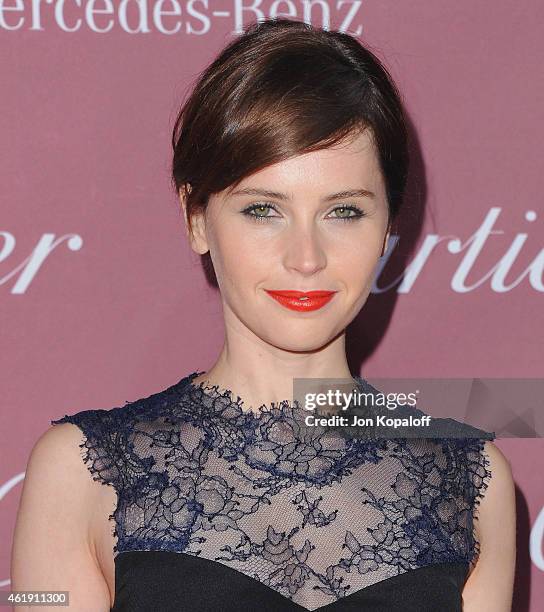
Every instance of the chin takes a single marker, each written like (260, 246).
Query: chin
(297, 341)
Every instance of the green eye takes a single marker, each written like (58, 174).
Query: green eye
(258, 212)
(259, 209)
(343, 209)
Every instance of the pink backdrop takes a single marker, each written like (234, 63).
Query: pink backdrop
(104, 302)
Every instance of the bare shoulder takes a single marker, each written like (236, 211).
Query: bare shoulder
(499, 464)
(56, 465)
(57, 452)
(496, 510)
(53, 522)
(490, 584)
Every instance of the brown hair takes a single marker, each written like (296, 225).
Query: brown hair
(280, 89)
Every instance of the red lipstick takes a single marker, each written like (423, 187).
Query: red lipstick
(301, 301)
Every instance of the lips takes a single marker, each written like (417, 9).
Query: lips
(301, 301)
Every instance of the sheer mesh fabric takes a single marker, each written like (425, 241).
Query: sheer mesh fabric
(309, 513)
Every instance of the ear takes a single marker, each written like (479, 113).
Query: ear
(196, 231)
(385, 243)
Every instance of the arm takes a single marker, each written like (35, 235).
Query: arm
(490, 584)
(52, 543)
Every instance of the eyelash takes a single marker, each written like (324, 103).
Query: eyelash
(260, 219)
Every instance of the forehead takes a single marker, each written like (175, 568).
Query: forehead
(351, 163)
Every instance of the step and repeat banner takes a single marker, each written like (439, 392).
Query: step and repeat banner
(104, 302)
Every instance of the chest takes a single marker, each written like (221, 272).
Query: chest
(366, 525)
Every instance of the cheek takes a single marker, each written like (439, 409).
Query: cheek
(355, 263)
(359, 251)
(238, 258)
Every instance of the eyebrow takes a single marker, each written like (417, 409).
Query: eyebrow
(348, 193)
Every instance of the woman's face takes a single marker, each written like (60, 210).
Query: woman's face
(300, 235)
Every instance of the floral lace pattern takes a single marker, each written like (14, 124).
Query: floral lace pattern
(312, 515)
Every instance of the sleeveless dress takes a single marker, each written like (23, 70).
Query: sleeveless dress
(222, 509)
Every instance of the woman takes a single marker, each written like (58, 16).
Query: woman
(290, 161)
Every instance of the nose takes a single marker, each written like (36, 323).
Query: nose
(304, 250)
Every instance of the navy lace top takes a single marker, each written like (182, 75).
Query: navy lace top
(220, 508)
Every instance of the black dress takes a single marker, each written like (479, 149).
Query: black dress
(221, 509)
